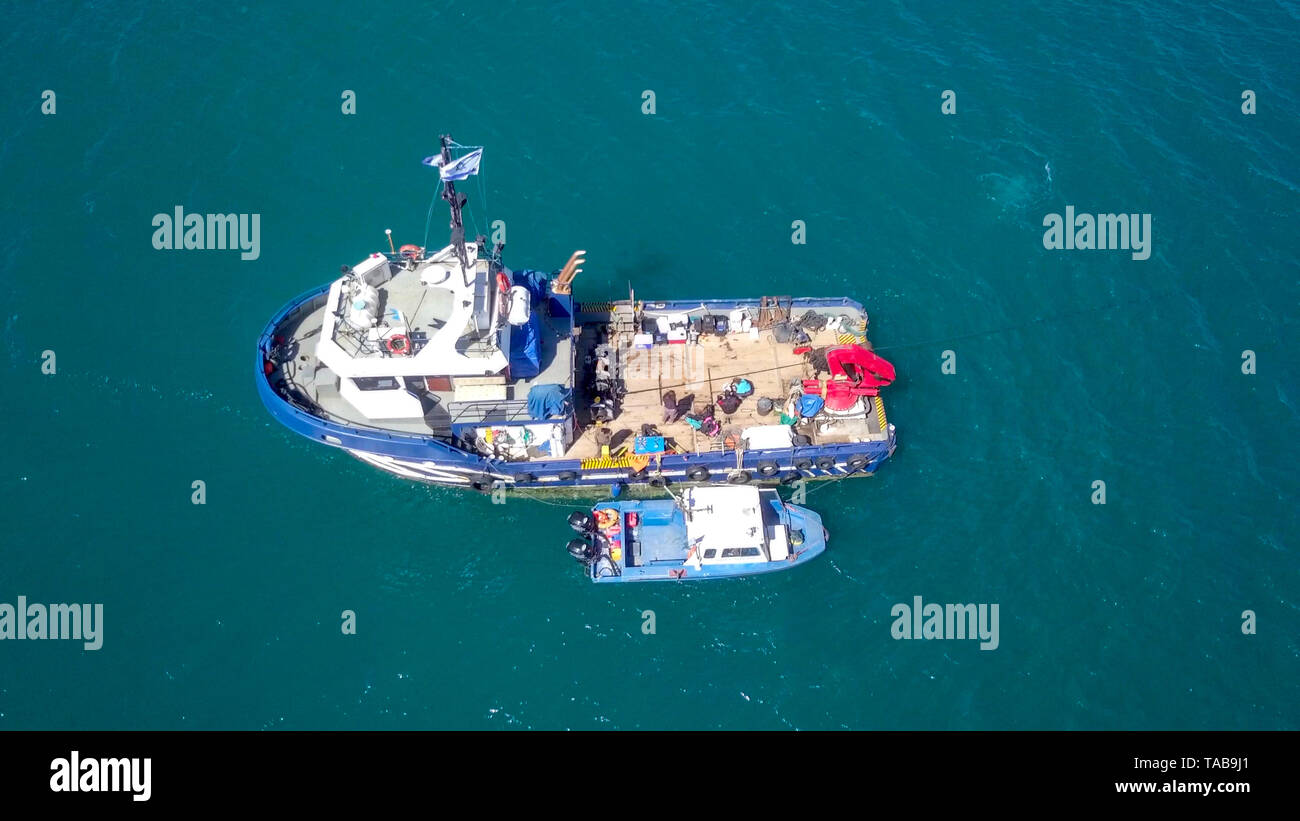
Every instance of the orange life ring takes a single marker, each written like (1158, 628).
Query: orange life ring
(398, 344)
(606, 518)
(412, 252)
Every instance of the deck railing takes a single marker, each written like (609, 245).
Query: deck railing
(504, 410)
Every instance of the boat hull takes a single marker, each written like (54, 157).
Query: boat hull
(593, 483)
(430, 459)
(800, 518)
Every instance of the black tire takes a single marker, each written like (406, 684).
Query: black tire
(567, 476)
(825, 463)
(803, 464)
(658, 481)
(768, 469)
(525, 478)
(699, 473)
(740, 477)
(791, 478)
(858, 462)
(481, 482)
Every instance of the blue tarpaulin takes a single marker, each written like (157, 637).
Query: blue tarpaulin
(526, 349)
(546, 401)
(526, 339)
(810, 405)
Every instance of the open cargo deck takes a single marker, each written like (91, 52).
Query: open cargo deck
(704, 369)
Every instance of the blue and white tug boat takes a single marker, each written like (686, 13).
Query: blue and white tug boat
(447, 367)
(706, 533)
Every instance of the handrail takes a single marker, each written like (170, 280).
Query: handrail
(512, 408)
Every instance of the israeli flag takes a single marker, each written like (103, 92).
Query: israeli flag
(463, 168)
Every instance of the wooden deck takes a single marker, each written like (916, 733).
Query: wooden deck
(705, 369)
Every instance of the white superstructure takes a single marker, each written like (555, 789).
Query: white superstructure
(727, 524)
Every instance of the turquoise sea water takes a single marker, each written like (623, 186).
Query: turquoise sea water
(1072, 366)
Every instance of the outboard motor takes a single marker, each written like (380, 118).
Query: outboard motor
(581, 550)
(581, 521)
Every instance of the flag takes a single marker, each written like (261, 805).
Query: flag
(434, 161)
(463, 168)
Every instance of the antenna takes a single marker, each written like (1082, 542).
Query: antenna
(389, 232)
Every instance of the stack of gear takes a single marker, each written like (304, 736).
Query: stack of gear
(816, 357)
(729, 401)
(506, 443)
(812, 322)
(705, 423)
(607, 525)
(601, 409)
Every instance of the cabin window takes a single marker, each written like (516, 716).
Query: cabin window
(735, 552)
(375, 383)
(710, 553)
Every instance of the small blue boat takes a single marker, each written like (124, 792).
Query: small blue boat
(706, 533)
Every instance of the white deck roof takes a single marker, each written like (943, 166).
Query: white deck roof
(724, 517)
(447, 283)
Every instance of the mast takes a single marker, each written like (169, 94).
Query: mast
(456, 201)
